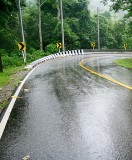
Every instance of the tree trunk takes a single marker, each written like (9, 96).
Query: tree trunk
(40, 25)
(1, 66)
(58, 9)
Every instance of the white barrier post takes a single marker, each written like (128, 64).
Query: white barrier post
(73, 52)
(70, 53)
(64, 54)
(82, 51)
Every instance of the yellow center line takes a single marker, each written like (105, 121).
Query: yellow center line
(13, 96)
(105, 77)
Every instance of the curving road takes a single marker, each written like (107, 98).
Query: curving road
(65, 112)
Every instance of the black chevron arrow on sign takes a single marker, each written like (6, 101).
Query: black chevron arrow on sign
(59, 45)
(22, 46)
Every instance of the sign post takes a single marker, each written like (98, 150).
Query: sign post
(21, 44)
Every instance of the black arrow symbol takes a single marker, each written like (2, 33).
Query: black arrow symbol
(22, 46)
(59, 45)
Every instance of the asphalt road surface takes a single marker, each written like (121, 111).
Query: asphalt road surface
(65, 112)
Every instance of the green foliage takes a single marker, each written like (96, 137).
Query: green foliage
(11, 61)
(79, 22)
(35, 55)
(80, 28)
(51, 48)
(7, 74)
(125, 5)
(122, 34)
(8, 6)
(49, 24)
(30, 22)
(16, 58)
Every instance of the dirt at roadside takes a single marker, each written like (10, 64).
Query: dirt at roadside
(7, 91)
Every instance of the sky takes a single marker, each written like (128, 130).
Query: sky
(97, 3)
(93, 4)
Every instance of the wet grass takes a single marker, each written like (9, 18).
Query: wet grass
(4, 103)
(127, 63)
(6, 75)
(9, 79)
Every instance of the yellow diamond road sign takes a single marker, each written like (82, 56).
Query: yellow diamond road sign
(59, 45)
(92, 44)
(22, 46)
(125, 45)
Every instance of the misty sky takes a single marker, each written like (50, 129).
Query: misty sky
(93, 4)
(96, 3)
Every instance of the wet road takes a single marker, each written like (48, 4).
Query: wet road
(67, 113)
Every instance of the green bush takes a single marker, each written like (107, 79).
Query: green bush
(2, 52)
(51, 48)
(15, 58)
(35, 55)
(11, 61)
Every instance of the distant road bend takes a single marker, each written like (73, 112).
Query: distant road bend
(66, 112)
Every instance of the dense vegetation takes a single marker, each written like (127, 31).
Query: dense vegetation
(80, 28)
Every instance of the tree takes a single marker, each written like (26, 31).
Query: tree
(78, 17)
(80, 27)
(6, 7)
(125, 5)
(30, 17)
(58, 9)
(40, 25)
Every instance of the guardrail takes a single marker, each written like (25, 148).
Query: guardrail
(73, 53)
(53, 56)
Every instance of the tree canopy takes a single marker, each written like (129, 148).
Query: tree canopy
(80, 27)
(125, 5)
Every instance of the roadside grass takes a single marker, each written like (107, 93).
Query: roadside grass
(4, 103)
(127, 63)
(15, 64)
(11, 75)
(6, 75)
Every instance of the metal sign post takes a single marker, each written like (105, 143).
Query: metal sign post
(22, 32)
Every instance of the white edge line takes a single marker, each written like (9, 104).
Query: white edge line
(11, 104)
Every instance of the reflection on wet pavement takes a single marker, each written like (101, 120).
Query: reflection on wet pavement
(69, 113)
